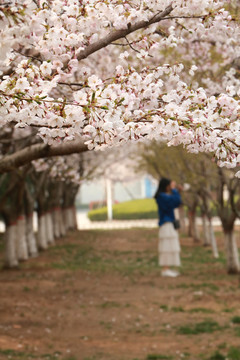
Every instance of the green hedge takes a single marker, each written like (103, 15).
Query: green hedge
(134, 209)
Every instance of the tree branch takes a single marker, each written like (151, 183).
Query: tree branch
(37, 151)
(118, 34)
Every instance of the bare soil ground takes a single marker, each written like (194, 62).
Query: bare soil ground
(99, 295)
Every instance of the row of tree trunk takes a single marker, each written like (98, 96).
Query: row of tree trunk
(207, 237)
(53, 200)
(22, 242)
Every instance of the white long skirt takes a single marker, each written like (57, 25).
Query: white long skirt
(168, 246)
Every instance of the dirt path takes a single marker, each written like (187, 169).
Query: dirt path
(98, 295)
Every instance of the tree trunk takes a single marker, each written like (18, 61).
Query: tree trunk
(231, 252)
(49, 228)
(182, 218)
(70, 191)
(66, 217)
(61, 223)
(56, 226)
(193, 229)
(213, 240)
(41, 234)
(31, 239)
(22, 250)
(11, 259)
(74, 217)
(205, 231)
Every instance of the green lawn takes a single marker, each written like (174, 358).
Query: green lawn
(134, 209)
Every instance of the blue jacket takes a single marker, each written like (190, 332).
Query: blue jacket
(166, 205)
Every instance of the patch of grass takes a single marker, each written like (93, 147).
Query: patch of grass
(206, 326)
(198, 286)
(158, 357)
(236, 320)
(164, 307)
(20, 355)
(110, 304)
(234, 353)
(26, 289)
(222, 345)
(106, 325)
(133, 209)
(10, 352)
(177, 309)
(84, 257)
(237, 331)
(52, 357)
(200, 256)
(229, 310)
(202, 310)
(217, 356)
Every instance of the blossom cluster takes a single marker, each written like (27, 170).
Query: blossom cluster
(61, 168)
(68, 79)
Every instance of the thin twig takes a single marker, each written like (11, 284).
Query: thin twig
(130, 45)
(185, 17)
(29, 56)
(70, 84)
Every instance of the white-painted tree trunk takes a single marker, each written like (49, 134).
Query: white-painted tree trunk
(74, 217)
(11, 259)
(194, 228)
(205, 231)
(56, 228)
(21, 237)
(213, 240)
(31, 239)
(232, 253)
(41, 234)
(67, 220)
(49, 228)
(61, 223)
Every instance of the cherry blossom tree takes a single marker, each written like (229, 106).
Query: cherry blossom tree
(89, 75)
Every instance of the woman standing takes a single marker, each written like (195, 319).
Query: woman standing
(168, 198)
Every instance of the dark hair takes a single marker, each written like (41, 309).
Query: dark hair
(163, 183)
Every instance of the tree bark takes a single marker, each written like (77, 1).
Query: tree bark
(41, 234)
(38, 151)
(49, 228)
(31, 239)
(22, 250)
(205, 231)
(61, 222)
(231, 252)
(66, 217)
(118, 34)
(192, 227)
(56, 226)
(182, 218)
(11, 258)
(213, 240)
(74, 217)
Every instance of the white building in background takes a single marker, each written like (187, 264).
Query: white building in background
(117, 180)
(142, 187)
